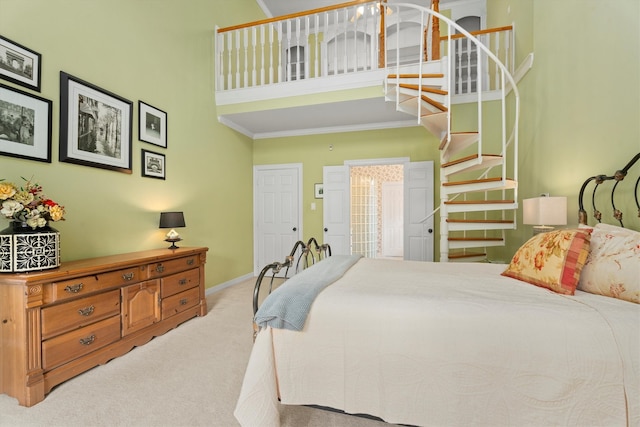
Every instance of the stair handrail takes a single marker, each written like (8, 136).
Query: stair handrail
(296, 15)
(505, 74)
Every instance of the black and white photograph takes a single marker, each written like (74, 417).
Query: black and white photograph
(95, 126)
(19, 64)
(153, 164)
(152, 126)
(318, 191)
(25, 125)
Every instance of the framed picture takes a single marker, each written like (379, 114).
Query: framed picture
(95, 126)
(318, 191)
(153, 164)
(152, 126)
(25, 125)
(19, 64)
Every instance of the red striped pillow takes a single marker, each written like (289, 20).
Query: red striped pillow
(552, 260)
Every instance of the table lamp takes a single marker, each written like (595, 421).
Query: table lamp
(172, 220)
(543, 212)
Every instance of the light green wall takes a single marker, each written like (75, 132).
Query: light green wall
(158, 51)
(580, 110)
(314, 153)
(581, 100)
(580, 105)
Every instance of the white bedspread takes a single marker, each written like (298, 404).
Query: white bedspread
(451, 344)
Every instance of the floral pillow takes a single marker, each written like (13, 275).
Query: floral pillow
(552, 260)
(613, 265)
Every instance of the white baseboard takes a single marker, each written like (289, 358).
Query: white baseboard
(229, 283)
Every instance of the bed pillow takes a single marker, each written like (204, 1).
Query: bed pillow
(552, 260)
(613, 265)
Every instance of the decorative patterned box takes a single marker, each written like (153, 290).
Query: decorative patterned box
(23, 250)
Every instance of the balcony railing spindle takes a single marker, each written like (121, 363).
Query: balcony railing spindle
(280, 71)
(316, 62)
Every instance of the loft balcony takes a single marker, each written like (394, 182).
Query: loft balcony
(325, 70)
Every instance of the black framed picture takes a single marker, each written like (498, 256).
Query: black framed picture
(95, 126)
(19, 64)
(152, 124)
(25, 125)
(153, 164)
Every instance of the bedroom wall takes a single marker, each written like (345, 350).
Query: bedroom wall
(158, 51)
(313, 152)
(580, 101)
(580, 105)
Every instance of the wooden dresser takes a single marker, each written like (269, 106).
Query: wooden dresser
(58, 323)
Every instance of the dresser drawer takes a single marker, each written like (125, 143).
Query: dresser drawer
(79, 312)
(66, 289)
(180, 302)
(165, 268)
(179, 282)
(71, 345)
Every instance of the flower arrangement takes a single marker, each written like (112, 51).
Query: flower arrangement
(28, 204)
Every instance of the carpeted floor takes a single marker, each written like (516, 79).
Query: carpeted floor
(190, 376)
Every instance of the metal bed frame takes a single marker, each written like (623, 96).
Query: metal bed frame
(618, 176)
(311, 249)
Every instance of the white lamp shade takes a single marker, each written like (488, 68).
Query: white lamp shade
(545, 211)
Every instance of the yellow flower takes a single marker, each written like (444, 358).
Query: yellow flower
(7, 190)
(56, 212)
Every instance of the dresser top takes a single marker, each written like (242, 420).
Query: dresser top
(97, 265)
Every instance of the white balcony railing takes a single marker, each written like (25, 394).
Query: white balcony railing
(347, 39)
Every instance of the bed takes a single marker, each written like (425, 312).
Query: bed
(455, 344)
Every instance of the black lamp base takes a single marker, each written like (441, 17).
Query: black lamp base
(173, 242)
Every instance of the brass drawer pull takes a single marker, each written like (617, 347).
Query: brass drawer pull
(88, 340)
(184, 301)
(190, 261)
(74, 289)
(159, 268)
(183, 282)
(86, 311)
(128, 276)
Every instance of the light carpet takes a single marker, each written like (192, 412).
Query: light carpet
(190, 376)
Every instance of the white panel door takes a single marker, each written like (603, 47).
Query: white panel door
(277, 212)
(335, 212)
(418, 197)
(392, 219)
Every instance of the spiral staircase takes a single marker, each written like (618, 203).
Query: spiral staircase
(478, 200)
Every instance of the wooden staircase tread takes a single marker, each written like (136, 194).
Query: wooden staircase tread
(474, 181)
(476, 202)
(467, 158)
(435, 103)
(424, 88)
(474, 239)
(481, 221)
(459, 137)
(415, 76)
(466, 255)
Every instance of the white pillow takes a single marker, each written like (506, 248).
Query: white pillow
(613, 265)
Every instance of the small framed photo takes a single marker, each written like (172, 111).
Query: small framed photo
(318, 191)
(25, 125)
(153, 164)
(152, 126)
(19, 64)
(95, 126)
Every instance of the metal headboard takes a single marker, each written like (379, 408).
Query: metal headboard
(618, 176)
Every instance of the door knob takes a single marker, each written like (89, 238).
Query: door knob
(295, 228)
(430, 230)
(326, 229)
